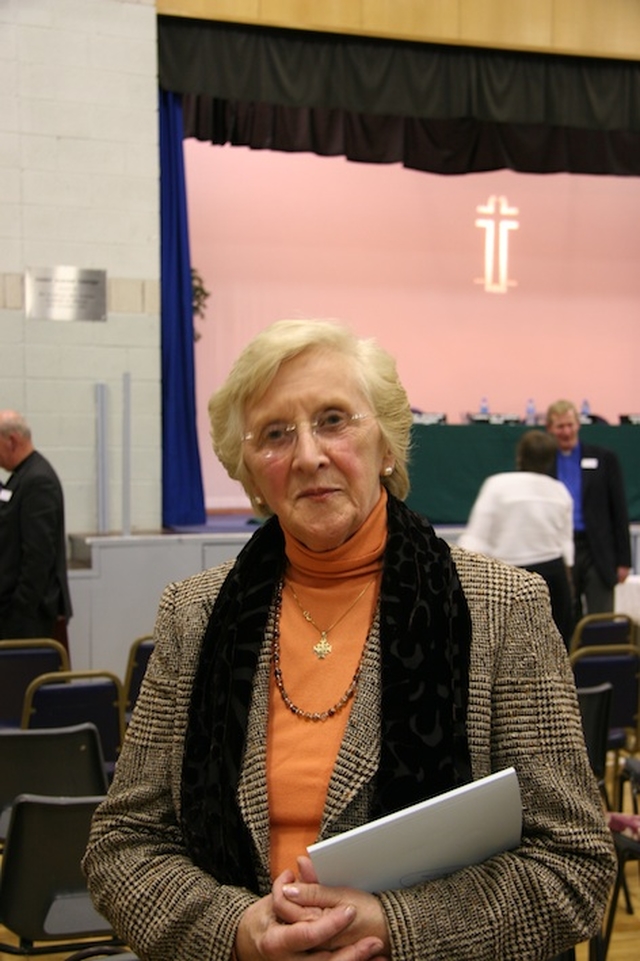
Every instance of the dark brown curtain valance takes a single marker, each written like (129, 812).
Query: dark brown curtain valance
(438, 108)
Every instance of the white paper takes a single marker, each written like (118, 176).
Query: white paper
(427, 840)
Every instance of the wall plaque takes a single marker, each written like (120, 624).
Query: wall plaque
(65, 293)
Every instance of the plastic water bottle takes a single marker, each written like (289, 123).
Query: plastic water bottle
(484, 406)
(585, 410)
(530, 413)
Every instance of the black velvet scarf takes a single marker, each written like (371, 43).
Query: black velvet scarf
(425, 635)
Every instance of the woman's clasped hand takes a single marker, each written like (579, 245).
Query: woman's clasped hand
(302, 917)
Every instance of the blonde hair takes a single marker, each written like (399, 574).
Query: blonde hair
(559, 408)
(258, 364)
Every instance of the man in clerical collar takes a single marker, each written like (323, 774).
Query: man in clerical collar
(593, 476)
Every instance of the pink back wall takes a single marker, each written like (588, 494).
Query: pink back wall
(397, 255)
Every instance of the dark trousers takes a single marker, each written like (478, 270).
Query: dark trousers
(591, 594)
(23, 626)
(555, 574)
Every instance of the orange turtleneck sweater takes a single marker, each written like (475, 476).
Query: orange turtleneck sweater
(301, 753)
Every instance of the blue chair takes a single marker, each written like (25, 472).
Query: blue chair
(625, 829)
(619, 665)
(595, 711)
(20, 662)
(74, 697)
(601, 629)
(139, 654)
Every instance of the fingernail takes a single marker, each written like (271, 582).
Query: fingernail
(350, 910)
(290, 890)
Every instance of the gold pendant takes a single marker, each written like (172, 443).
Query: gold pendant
(322, 648)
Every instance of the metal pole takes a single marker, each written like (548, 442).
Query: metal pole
(102, 458)
(126, 454)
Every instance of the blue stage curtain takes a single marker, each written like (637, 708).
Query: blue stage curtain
(182, 489)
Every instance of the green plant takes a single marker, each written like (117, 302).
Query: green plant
(199, 298)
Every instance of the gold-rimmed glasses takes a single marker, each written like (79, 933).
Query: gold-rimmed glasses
(277, 439)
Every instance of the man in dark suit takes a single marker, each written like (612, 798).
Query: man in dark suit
(34, 591)
(594, 479)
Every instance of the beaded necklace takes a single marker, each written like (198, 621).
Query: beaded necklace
(277, 670)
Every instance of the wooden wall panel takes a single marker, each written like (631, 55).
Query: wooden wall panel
(339, 16)
(238, 11)
(594, 25)
(596, 28)
(410, 20)
(525, 25)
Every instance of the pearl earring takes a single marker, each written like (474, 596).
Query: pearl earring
(388, 471)
(258, 499)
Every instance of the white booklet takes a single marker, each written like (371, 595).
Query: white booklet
(427, 840)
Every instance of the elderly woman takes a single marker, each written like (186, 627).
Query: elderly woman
(346, 665)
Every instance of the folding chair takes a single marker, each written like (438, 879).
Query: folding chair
(595, 710)
(63, 761)
(139, 654)
(20, 661)
(600, 629)
(74, 697)
(625, 829)
(630, 775)
(43, 892)
(618, 664)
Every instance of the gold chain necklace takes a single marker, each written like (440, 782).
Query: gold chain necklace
(323, 648)
(277, 670)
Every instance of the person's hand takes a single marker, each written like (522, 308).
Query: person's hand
(282, 927)
(623, 573)
(306, 899)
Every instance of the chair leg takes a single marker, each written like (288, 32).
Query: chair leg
(597, 948)
(605, 796)
(618, 784)
(627, 896)
(619, 883)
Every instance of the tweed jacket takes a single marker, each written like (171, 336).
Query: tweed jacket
(522, 905)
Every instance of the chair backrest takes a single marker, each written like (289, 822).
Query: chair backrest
(21, 661)
(619, 665)
(73, 697)
(595, 710)
(139, 654)
(63, 761)
(600, 629)
(43, 892)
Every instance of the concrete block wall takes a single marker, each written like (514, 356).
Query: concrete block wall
(79, 186)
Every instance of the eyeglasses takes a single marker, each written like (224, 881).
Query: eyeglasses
(278, 439)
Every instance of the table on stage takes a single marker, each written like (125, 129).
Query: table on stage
(448, 464)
